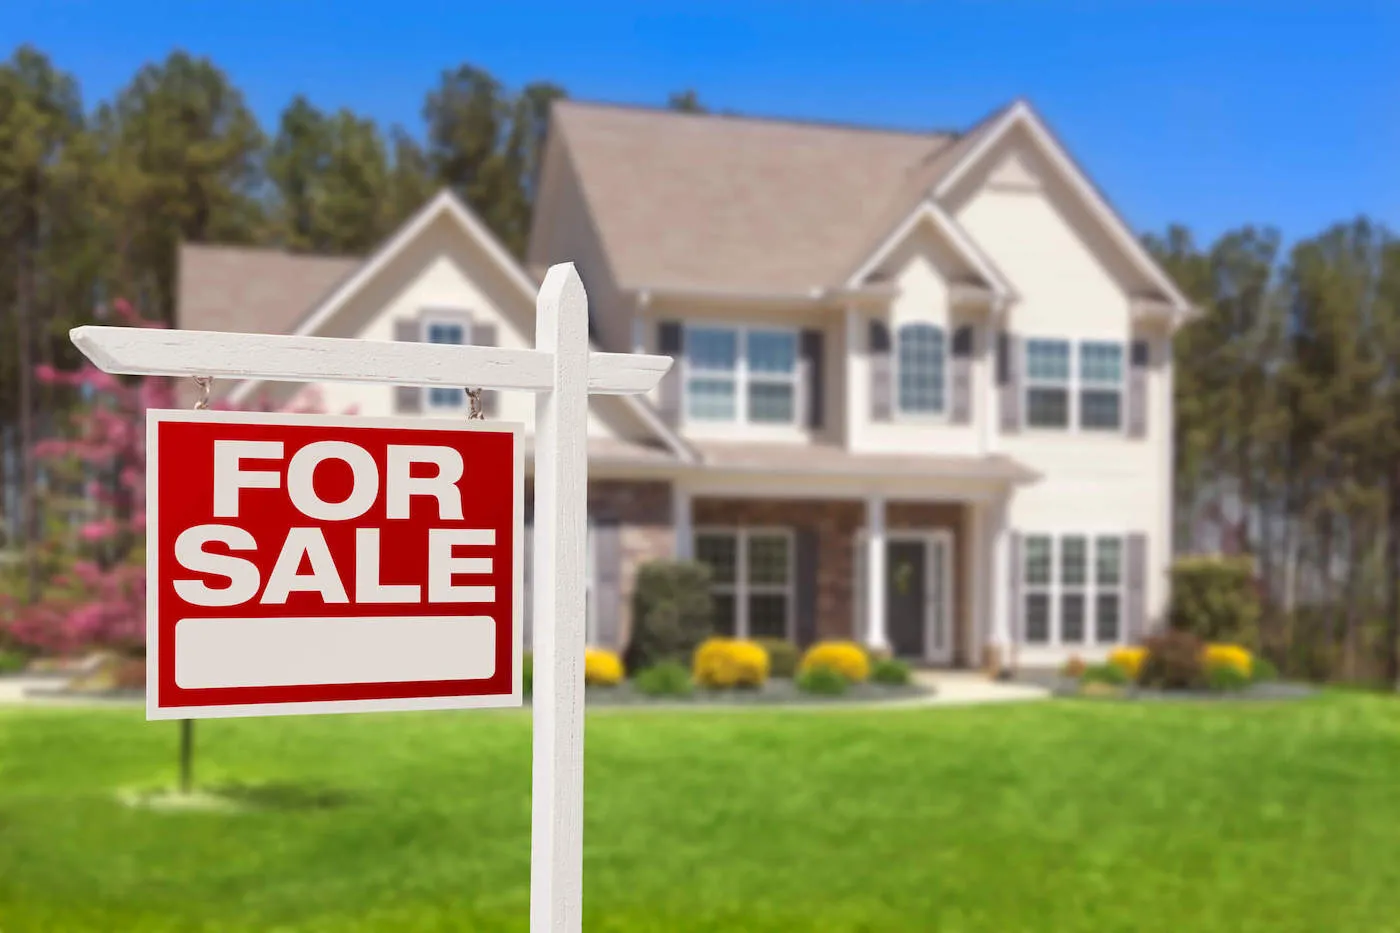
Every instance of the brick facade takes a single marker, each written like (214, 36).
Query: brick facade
(643, 510)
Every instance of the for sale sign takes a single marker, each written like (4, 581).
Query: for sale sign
(321, 564)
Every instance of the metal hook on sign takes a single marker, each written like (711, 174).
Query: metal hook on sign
(204, 382)
(474, 409)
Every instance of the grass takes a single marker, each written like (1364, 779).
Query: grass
(1066, 816)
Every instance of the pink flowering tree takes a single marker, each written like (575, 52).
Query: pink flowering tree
(95, 592)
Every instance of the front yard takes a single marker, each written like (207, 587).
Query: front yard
(1064, 816)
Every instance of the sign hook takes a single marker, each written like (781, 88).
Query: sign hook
(204, 382)
(474, 409)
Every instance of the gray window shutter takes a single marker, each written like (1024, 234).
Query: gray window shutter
(1018, 604)
(812, 381)
(960, 405)
(1139, 358)
(1135, 580)
(881, 372)
(804, 630)
(408, 400)
(484, 335)
(528, 596)
(607, 564)
(1009, 381)
(670, 341)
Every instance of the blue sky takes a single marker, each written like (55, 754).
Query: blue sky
(1210, 113)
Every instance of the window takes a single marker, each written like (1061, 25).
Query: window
(751, 578)
(741, 374)
(1055, 375)
(1069, 598)
(921, 369)
(446, 332)
(1100, 386)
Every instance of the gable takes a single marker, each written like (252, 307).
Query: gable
(442, 265)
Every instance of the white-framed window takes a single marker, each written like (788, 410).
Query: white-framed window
(448, 331)
(751, 573)
(1072, 588)
(921, 370)
(1100, 385)
(741, 374)
(1047, 383)
(1074, 385)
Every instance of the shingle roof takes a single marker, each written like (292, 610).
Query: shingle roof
(699, 201)
(228, 288)
(830, 459)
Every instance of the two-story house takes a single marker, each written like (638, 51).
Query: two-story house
(922, 394)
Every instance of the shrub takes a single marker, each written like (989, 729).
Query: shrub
(1264, 670)
(782, 656)
(722, 663)
(12, 662)
(844, 657)
(601, 668)
(1128, 660)
(1173, 661)
(1110, 674)
(1215, 598)
(890, 672)
(1074, 668)
(672, 613)
(824, 681)
(1232, 656)
(527, 673)
(668, 678)
(1225, 677)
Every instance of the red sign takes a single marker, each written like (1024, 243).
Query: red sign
(324, 564)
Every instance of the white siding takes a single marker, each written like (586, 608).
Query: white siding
(1091, 481)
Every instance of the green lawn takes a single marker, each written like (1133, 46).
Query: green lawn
(1067, 816)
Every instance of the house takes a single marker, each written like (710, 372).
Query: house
(923, 390)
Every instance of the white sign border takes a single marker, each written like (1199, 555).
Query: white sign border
(157, 416)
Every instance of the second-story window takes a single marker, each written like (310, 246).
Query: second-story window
(445, 332)
(1047, 383)
(741, 374)
(921, 369)
(1100, 385)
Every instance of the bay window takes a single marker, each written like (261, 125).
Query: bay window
(741, 374)
(751, 579)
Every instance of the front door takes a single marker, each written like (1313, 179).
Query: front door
(906, 577)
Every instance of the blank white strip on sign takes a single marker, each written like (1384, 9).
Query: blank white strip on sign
(317, 651)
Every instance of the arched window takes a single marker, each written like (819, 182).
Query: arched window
(921, 366)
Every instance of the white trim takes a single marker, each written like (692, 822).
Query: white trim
(742, 588)
(1021, 113)
(952, 231)
(937, 587)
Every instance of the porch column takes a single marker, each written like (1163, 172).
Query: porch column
(875, 636)
(680, 521)
(1001, 583)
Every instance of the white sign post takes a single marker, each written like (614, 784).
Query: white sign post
(562, 371)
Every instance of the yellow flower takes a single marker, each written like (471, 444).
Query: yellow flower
(721, 663)
(1218, 655)
(601, 668)
(844, 657)
(1128, 660)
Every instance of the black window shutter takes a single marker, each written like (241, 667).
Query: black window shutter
(814, 385)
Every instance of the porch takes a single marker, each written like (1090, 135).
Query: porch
(900, 574)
